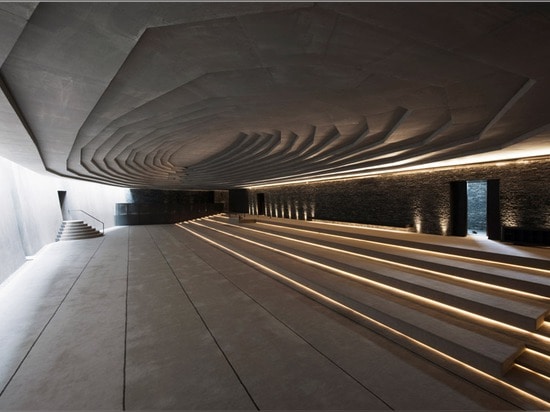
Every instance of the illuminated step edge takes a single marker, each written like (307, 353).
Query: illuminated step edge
(492, 383)
(545, 328)
(458, 266)
(539, 340)
(522, 314)
(538, 384)
(481, 323)
(410, 316)
(530, 281)
(532, 381)
(536, 361)
(360, 233)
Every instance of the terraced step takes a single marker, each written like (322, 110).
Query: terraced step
(75, 230)
(355, 232)
(442, 332)
(472, 298)
(534, 383)
(535, 361)
(337, 272)
(498, 276)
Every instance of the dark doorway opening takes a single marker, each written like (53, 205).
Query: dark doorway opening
(62, 194)
(459, 209)
(475, 207)
(260, 197)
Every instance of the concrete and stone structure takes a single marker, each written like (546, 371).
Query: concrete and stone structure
(294, 118)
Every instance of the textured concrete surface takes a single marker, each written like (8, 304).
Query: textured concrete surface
(224, 95)
(150, 317)
(31, 213)
(419, 200)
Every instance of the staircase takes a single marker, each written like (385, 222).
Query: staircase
(482, 315)
(76, 229)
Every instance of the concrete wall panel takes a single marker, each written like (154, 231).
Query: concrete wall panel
(37, 208)
(31, 214)
(11, 249)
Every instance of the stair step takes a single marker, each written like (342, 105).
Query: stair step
(76, 229)
(533, 383)
(425, 325)
(79, 229)
(87, 236)
(72, 224)
(507, 278)
(517, 312)
(519, 356)
(535, 361)
(545, 328)
(354, 232)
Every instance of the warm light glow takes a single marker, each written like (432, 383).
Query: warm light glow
(444, 225)
(390, 289)
(373, 323)
(424, 251)
(289, 209)
(402, 265)
(532, 372)
(417, 223)
(478, 160)
(361, 226)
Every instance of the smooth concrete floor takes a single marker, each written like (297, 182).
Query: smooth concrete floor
(150, 317)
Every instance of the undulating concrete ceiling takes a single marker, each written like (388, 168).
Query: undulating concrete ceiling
(224, 95)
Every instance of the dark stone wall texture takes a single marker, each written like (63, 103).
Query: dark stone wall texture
(420, 200)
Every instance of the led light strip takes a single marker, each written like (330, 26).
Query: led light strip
(544, 356)
(403, 265)
(418, 250)
(373, 322)
(396, 291)
(370, 172)
(532, 372)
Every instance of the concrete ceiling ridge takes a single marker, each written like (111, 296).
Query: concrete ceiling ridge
(442, 33)
(146, 110)
(195, 95)
(176, 126)
(321, 143)
(13, 18)
(409, 158)
(162, 139)
(279, 159)
(350, 144)
(542, 131)
(403, 152)
(257, 144)
(175, 78)
(400, 148)
(177, 117)
(228, 157)
(242, 166)
(236, 144)
(272, 162)
(28, 152)
(509, 104)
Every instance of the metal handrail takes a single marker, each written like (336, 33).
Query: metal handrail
(95, 218)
